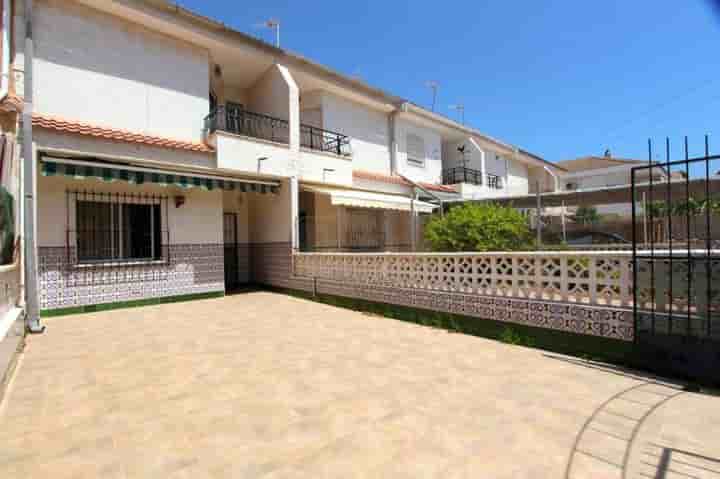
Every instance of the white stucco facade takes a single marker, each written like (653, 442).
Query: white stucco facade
(431, 169)
(368, 131)
(96, 68)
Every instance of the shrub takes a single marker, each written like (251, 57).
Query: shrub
(479, 227)
(7, 227)
(587, 215)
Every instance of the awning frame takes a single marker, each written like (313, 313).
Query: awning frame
(370, 199)
(111, 172)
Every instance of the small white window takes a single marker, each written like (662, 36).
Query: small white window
(415, 150)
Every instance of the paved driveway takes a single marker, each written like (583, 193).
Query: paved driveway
(266, 385)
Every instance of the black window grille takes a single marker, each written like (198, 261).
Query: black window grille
(110, 227)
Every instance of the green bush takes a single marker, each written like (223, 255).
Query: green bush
(479, 227)
(587, 215)
(7, 227)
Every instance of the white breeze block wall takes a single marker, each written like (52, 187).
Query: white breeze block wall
(431, 172)
(99, 69)
(368, 131)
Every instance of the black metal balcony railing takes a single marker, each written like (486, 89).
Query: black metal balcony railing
(494, 182)
(324, 140)
(459, 174)
(243, 122)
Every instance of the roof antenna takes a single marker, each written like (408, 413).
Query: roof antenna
(272, 24)
(433, 85)
(461, 108)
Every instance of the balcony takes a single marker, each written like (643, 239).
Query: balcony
(324, 140)
(459, 174)
(243, 122)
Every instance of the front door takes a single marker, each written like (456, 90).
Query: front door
(231, 250)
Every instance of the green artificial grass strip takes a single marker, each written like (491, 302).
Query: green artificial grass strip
(92, 308)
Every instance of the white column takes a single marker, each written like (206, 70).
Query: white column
(413, 223)
(294, 213)
(483, 167)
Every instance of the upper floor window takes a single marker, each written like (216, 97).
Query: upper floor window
(415, 150)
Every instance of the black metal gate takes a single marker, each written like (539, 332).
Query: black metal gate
(676, 261)
(231, 251)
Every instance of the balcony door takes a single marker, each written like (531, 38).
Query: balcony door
(234, 114)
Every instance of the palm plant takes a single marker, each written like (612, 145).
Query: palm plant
(587, 215)
(689, 210)
(657, 210)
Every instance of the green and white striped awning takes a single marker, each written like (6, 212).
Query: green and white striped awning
(138, 176)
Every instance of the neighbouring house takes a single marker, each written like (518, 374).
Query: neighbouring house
(178, 157)
(591, 173)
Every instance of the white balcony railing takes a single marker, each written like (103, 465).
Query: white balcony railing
(587, 277)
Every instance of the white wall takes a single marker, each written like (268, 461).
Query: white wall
(98, 69)
(368, 131)
(270, 95)
(270, 216)
(49, 139)
(325, 167)
(242, 154)
(517, 178)
(600, 180)
(431, 172)
(198, 221)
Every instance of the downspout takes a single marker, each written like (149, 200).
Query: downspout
(6, 40)
(32, 310)
(393, 141)
(403, 107)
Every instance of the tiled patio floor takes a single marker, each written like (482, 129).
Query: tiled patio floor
(266, 385)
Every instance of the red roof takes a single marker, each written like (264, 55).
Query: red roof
(113, 134)
(398, 180)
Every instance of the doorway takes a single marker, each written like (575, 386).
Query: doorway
(230, 238)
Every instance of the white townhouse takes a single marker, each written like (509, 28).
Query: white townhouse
(590, 174)
(175, 156)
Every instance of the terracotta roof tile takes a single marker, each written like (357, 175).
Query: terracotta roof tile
(57, 124)
(398, 180)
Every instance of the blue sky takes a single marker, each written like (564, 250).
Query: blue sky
(561, 78)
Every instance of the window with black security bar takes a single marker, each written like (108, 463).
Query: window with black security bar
(117, 227)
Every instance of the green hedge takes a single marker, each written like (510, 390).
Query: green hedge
(7, 226)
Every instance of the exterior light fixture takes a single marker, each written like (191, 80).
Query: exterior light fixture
(260, 160)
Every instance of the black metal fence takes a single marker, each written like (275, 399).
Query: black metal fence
(324, 140)
(676, 268)
(244, 122)
(460, 174)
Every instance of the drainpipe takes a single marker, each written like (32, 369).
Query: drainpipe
(6, 29)
(32, 310)
(393, 141)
